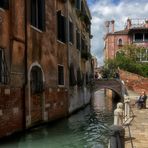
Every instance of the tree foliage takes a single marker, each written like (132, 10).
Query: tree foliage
(128, 58)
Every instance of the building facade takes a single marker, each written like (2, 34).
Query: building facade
(135, 32)
(40, 52)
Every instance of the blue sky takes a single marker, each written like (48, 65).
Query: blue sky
(119, 10)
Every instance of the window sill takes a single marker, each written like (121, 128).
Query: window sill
(36, 29)
(70, 43)
(2, 9)
(61, 86)
(61, 42)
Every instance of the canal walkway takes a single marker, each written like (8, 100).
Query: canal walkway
(138, 127)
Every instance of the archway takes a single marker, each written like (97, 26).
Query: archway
(36, 96)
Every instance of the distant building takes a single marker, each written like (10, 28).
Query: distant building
(45, 61)
(135, 32)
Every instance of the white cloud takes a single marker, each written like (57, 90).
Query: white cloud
(104, 10)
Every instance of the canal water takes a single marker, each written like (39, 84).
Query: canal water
(87, 128)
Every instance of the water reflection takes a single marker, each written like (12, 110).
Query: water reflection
(85, 129)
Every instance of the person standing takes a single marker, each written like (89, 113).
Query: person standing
(142, 100)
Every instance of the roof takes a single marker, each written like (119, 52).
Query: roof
(138, 29)
(125, 31)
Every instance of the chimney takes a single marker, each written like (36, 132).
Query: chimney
(107, 26)
(113, 26)
(129, 24)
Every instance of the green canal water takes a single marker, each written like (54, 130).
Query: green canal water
(87, 128)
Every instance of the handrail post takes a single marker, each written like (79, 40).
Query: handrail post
(117, 132)
(127, 107)
(118, 114)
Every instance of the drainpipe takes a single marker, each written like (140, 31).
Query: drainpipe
(25, 67)
(68, 54)
(68, 51)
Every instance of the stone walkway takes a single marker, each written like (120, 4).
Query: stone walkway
(138, 128)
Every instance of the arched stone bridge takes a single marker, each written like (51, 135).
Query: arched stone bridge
(114, 84)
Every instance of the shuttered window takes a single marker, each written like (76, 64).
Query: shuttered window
(60, 75)
(4, 75)
(38, 14)
(78, 4)
(61, 27)
(4, 4)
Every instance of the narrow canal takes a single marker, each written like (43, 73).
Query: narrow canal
(87, 128)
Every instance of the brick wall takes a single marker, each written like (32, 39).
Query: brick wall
(134, 82)
(11, 110)
(56, 103)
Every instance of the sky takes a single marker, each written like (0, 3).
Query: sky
(107, 10)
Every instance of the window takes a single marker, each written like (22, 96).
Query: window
(3, 69)
(78, 4)
(60, 75)
(71, 32)
(61, 27)
(36, 80)
(4, 4)
(78, 40)
(146, 36)
(120, 43)
(72, 78)
(138, 37)
(38, 14)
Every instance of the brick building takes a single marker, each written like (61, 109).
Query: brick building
(42, 45)
(135, 32)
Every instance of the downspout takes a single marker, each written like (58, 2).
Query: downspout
(68, 54)
(68, 51)
(25, 68)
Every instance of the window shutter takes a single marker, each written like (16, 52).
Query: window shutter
(4, 4)
(78, 4)
(63, 29)
(33, 12)
(41, 14)
(78, 40)
(60, 75)
(71, 32)
(59, 25)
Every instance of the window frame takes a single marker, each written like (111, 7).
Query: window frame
(4, 4)
(37, 14)
(61, 28)
(139, 40)
(120, 42)
(78, 4)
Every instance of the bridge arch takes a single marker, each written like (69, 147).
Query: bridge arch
(112, 84)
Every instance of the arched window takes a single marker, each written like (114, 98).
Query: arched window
(120, 42)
